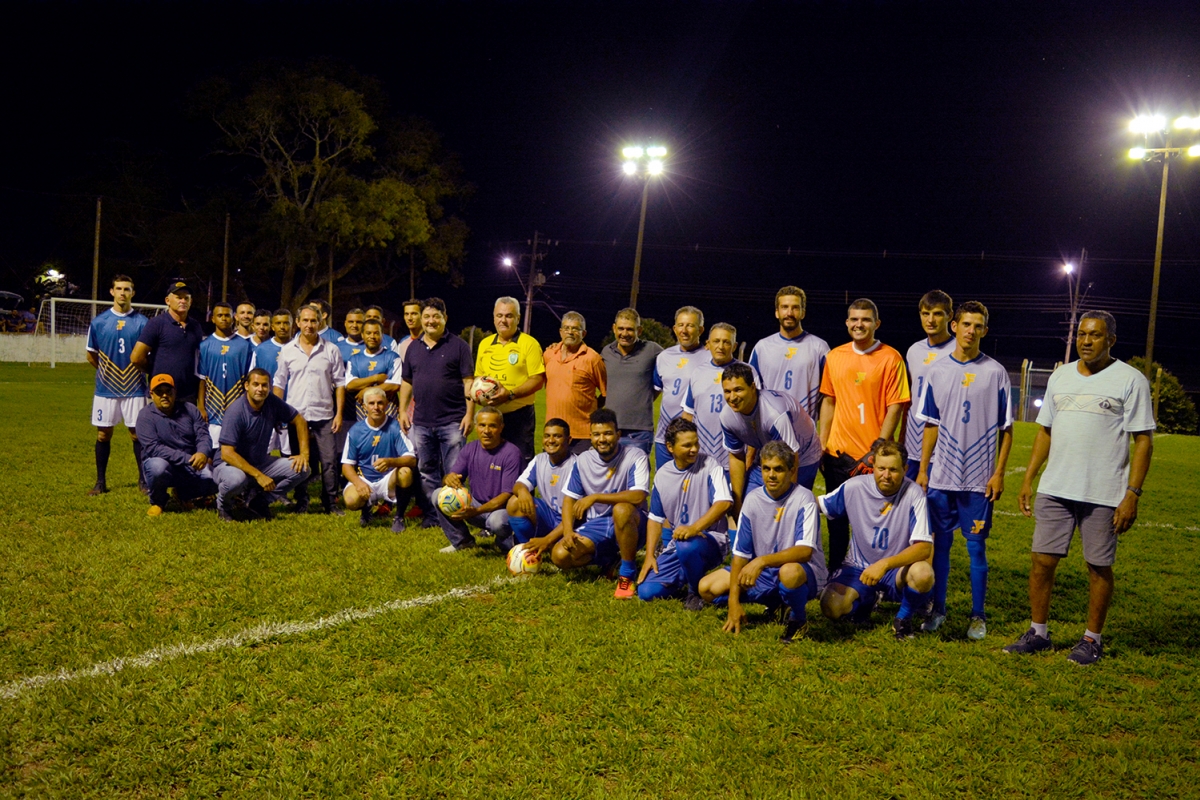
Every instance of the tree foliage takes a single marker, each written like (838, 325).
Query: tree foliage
(1176, 411)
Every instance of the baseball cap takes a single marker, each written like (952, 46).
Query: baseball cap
(178, 287)
(160, 379)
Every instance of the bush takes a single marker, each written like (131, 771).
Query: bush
(1176, 411)
(473, 335)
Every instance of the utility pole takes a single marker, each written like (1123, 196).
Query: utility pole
(533, 282)
(96, 260)
(225, 264)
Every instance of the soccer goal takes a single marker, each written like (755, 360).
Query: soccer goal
(66, 320)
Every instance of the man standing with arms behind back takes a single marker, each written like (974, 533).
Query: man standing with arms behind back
(170, 343)
(630, 362)
(791, 361)
(1091, 409)
(865, 388)
(936, 310)
(673, 369)
(514, 359)
(575, 380)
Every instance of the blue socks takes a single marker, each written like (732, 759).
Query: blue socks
(941, 569)
(910, 601)
(977, 550)
(628, 569)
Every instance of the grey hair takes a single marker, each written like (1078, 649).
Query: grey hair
(507, 301)
(372, 391)
(489, 410)
(575, 316)
(629, 313)
(691, 310)
(778, 450)
(1110, 322)
(724, 326)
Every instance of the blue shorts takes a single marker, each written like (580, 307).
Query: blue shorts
(765, 590)
(547, 518)
(602, 533)
(886, 589)
(671, 576)
(913, 468)
(970, 512)
(661, 455)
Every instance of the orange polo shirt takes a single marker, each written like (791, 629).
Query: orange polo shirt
(573, 381)
(863, 386)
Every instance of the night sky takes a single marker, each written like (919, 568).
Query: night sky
(977, 143)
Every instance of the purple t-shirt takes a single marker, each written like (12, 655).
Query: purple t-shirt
(490, 472)
(436, 374)
(249, 431)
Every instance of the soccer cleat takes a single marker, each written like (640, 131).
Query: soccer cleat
(334, 511)
(399, 523)
(364, 517)
(693, 602)
(977, 629)
(154, 511)
(260, 506)
(1029, 642)
(1086, 653)
(793, 630)
(99, 488)
(625, 589)
(902, 629)
(934, 622)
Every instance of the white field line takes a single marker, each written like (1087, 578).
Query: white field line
(249, 636)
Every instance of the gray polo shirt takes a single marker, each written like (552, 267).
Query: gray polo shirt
(631, 384)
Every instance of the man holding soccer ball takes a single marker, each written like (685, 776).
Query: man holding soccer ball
(514, 360)
(489, 466)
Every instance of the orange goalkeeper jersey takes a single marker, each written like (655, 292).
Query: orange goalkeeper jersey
(863, 386)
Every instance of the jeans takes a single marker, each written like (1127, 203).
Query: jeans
(189, 483)
(437, 448)
(232, 483)
(494, 523)
(322, 454)
(642, 440)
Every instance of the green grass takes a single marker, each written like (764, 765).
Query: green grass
(544, 687)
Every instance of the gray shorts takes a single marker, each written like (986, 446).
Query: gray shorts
(1056, 522)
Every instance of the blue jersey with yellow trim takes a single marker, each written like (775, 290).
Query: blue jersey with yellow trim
(364, 444)
(364, 365)
(111, 336)
(223, 367)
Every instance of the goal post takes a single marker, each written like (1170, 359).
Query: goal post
(60, 317)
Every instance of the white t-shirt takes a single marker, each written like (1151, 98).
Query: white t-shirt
(1090, 419)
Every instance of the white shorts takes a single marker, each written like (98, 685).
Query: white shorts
(108, 412)
(380, 490)
(214, 434)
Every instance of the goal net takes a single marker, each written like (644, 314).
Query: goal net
(68, 318)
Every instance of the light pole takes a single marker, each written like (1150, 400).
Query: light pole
(536, 278)
(1157, 124)
(1075, 298)
(644, 163)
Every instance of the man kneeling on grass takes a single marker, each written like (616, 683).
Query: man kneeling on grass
(175, 447)
(688, 505)
(376, 461)
(490, 466)
(606, 489)
(777, 557)
(537, 521)
(890, 543)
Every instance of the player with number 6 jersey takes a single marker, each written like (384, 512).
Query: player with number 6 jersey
(791, 361)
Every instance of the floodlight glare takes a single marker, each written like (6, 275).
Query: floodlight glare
(655, 167)
(630, 167)
(1194, 150)
(632, 152)
(1148, 124)
(1137, 153)
(656, 151)
(508, 262)
(1188, 123)
(1068, 268)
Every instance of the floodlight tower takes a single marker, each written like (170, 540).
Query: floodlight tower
(1074, 277)
(1156, 125)
(645, 163)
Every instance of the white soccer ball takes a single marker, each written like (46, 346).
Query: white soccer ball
(483, 389)
(523, 561)
(450, 499)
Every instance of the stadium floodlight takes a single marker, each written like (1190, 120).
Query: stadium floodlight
(646, 163)
(1137, 153)
(508, 262)
(630, 167)
(654, 167)
(1188, 123)
(1148, 123)
(632, 152)
(1194, 151)
(656, 151)
(1068, 267)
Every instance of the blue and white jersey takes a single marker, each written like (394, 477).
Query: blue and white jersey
(627, 470)
(328, 334)
(364, 365)
(776, 417)
(881, 527)
(921, 358)
(704, 402)
(969, 402)
(265, 356)
(222, 365)
(349, 349)
(767, 526)
(792, 367)
(682, 496)
(111, 336)
(548, 480)
(387, 342)
(672, 371)
(364, 444)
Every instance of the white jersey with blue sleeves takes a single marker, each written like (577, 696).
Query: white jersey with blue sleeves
(547, 479)
(881, 527)
(704, 402)
(364, 365)
(969, 402)
(627, 470)
(672, 370)
(776, 417)
(767, 526)
(111, 336)
(920, 358)
(792, 366)
(682, 496)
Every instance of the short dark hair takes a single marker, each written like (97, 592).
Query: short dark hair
(889, 447)
(377, 308)
(436, 303)
(261, 312)
(778, 450)
(374, 322)
(935, 298)
(321, 305)
(258, 371)
(972, 307)
(1110, 322)
(355, 310)
(557, 422)
(791, 291)
(222, 304)
(282, 312)
(679, 425)
(603, 416)
(738, 369)
(119, 278)
(412, 301)
(865, 304)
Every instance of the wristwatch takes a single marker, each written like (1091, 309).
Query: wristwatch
(1137, 492)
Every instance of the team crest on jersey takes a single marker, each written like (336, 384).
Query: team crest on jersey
(791, 351)
(354, 351)
(883, 512)
(968, 378)
(496, 467)
(859, 377)
(553, 480)
(611, 471)
(224, 349)
(779, 514)
(371, 364)
(682, 363)
(977, 527)
(375, 440)
(120, 324)
(686, 483)
(512, 358)
(929, 358)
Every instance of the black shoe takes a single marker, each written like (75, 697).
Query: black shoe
(298, 507)
(693, 602)
(364, 516)
(144, 488)
(399, 522)
(334, 511)
(98, 489)
(1029, 642)
(902, 629)
(260, 506)
(1086, 653)
(794, 630)
(224, 516)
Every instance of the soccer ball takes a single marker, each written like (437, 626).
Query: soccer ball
(483, 388)
(522, 561)
(450, 499)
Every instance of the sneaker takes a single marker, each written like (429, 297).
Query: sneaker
(154, 511)
(1030, 642)
(298, 507)
(1086, 653)
(430, 522)
(224, 516)
(625, 589)
(364, 517)
(934, 622)
(902, 629)
(334, 511)
(99, 488)
(260, 506)
(448, 549)
(694, 602)
(793, 630)
(399, 523)
(977, 629)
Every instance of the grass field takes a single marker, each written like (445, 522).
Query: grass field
(196, 659)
